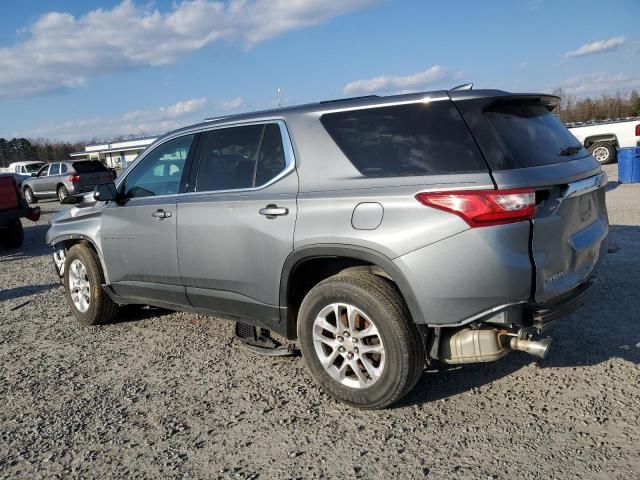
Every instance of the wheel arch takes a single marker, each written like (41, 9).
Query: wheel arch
(69, 240)
(307, 266)
(606, 137)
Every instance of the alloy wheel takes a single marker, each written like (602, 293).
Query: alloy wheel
(348, 345)
(79, 286)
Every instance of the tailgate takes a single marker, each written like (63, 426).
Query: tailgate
(8, 193)
(526, 146)
(569, 236)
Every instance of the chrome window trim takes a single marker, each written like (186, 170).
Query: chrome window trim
(586, 185)
(289, 157)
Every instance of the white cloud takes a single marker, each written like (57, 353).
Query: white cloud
(401, 83)
(138, 122)
(233, 104)
(597, 83)
(62, 51)
(600, 46)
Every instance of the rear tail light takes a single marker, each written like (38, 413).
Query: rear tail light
(74, 178)
(638, 130)
(481, 208)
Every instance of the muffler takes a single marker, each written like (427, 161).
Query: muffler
(486, 345)
(537, 348)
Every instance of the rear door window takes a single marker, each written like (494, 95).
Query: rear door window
(55, 169)
(240, 157)
(531, 136)
(415, 139)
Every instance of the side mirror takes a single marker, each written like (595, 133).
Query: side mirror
(106, 192)
(34, 174)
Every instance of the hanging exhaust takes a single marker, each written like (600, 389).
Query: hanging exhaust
(486, 345)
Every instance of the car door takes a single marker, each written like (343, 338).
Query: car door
(138, 234)
(39, 184)
(51, 182)
(235, 228)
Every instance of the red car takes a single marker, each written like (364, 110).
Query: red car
(12, 209)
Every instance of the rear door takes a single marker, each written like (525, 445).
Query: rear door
(526, 146)
(235, 230)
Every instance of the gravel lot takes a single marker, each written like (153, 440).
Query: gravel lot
(168, 395)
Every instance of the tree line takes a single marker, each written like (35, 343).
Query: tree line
(605, 107)
(21, 149)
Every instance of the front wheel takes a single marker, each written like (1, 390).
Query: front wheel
(12, 236)
(83, 287)
(358, 340)
(29, 196)
(604, 153)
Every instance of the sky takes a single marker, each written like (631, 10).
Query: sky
(88, 69)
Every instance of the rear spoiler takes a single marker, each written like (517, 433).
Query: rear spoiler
(488, 98)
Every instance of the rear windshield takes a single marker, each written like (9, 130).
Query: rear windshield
(416, 139)
(531, 136)
(89, 167)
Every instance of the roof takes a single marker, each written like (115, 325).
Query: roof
(357, 102)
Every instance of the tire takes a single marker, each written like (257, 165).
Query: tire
(29, 196)
(381, 306)
(62, 193)
(13, 236)
(99, 307)
(604, 153)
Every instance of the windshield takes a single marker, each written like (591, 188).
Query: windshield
(531, 136)
(32, 167)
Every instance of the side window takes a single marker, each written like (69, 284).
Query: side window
(63, 168)
(160, 172)
(43, 171)
(55, 169)
(240, 157)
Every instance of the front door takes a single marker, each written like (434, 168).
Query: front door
(40, 185)
(139, 236)
(235, 230)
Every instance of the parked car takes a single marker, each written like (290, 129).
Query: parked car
(12, 209)
(61, 179)
(380, 232)
(602, 139)
(22, 170)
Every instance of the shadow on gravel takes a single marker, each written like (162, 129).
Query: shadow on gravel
(136, 313)
(18, 292)
(611, 185)
(34, 244)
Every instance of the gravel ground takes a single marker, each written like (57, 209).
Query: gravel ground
(168, 395)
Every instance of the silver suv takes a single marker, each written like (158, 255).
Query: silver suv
(61, 179)
(380, 232)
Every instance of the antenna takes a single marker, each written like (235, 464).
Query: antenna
(279, 97)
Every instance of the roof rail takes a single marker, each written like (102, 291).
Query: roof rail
(337, 100)
(464, 86)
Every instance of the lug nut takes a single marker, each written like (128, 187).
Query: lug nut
(340, 339)
(346, 334)
(356, 350)
(341, 349)
(350, 355)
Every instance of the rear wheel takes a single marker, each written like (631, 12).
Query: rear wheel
(603, 152)
(83, 280)
(359, 341)
(12, 236)
(62, 193)
(29, 196)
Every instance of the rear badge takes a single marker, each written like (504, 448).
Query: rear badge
(555, 277)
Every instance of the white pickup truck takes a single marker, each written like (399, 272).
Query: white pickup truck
(22, 170)
(602, 139)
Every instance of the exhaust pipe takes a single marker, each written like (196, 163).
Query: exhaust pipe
(537, 348)
(486, 345)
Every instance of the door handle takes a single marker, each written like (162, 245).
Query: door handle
(273, 211)
(160, 214)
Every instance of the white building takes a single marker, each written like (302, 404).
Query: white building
(116, 154)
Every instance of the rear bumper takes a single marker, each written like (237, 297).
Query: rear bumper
(545, 314)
